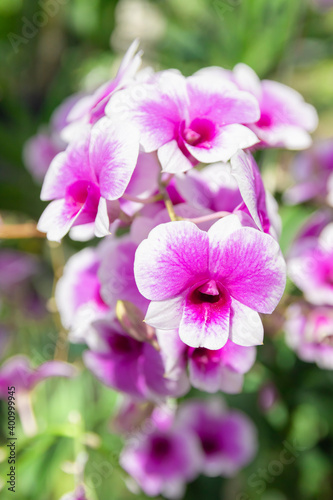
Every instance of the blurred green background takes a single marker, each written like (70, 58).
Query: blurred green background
(79, 46)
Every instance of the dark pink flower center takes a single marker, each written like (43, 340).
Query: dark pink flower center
(210, 292)
(78, 192)
(265, 120)
(120, 344)
(160, 448)
(200, 132)
(82, 197)
(204, 356)
(210, 444)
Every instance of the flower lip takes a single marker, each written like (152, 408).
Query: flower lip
(210, 292)
(78, 192)
(199, 133)
(205, 356)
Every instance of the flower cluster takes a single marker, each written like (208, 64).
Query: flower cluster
(161, 165)
(202, 437)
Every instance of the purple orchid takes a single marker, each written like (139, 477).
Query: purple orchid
(221, 369)
(188, 120)
(310, 261)
(211, 285)
(202, 436)
(228, 438)
(131, 366)
(78, 293)
(91, 108)
(209, 370)
(285, 120)
(313, 173)
(87, 180)
(309, 332)
(116, 273)
(163, 461)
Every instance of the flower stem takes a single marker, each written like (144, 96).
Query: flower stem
(20, 231)
(58, 262)
(167, 201)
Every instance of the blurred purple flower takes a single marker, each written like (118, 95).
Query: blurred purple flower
(132, 366)
(228, 438)
(17, 372)
(78, 293)
(267, 396)
(309, 332)
(202, 437)
(15, 267)
(312, 172)
(90, 108)
(38, 153)
(130, 415)
(210, 370)
(310, 260)
(220, 370)
(163, 461)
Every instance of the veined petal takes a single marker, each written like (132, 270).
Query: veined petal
(222, 103)
(113, 154)
(222, 229)
(172, 257)
(154, 108)
(68, 167)
(250, 265)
